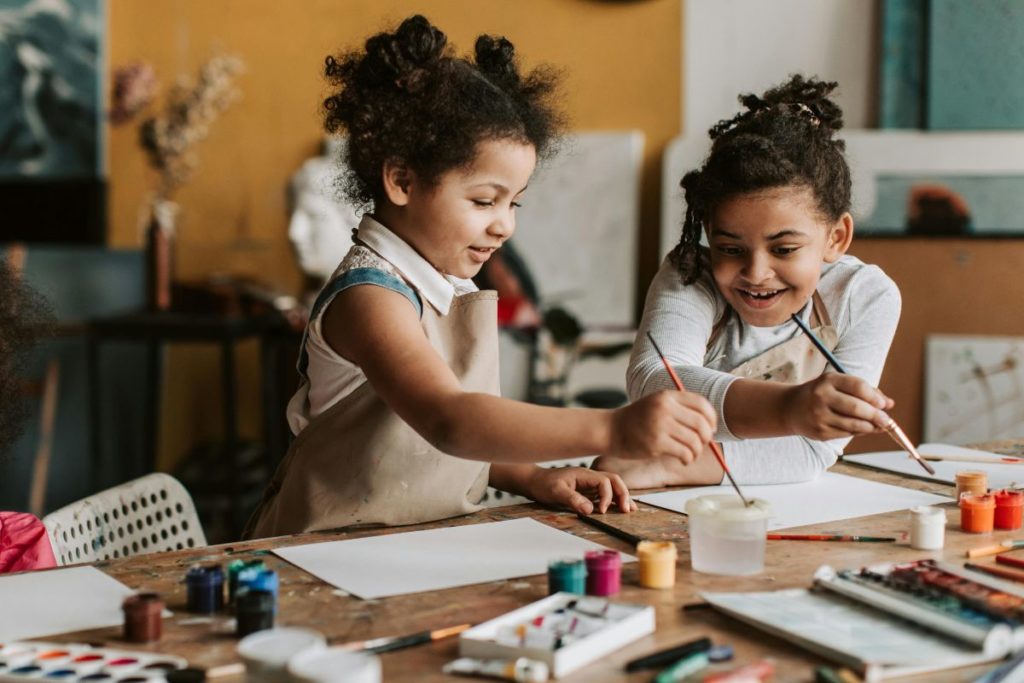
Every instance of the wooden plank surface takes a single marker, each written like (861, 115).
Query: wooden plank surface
(307, 601)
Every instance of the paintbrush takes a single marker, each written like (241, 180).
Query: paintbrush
(892, 429)
(714, 446)
(389, 643)
(992, 460)
(609, 529)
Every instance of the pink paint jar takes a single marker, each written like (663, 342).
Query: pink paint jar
(1009, 509)
(604, 572)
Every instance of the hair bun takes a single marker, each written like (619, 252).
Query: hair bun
(808, 97)
(496, 58)
(403, 58)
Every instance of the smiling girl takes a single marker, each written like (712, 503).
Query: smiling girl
(397, 418)
(773, 200)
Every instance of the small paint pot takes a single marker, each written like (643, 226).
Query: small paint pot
(977, 513)
(927, 527)
(258, 580)
(726, 536)
(254, 611)
(657, 563)
(334, 665)
(143, 617)
(1009, 509)
(234, 568)
(266, 654)
(971, 481)
(604, 572)
(205, 585)
(567, 576)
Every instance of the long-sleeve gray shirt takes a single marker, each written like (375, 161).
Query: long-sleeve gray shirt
(864, 305)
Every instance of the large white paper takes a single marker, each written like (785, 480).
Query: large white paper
(417, 561)
(828, 498)
(45, 603)
(1000, 476)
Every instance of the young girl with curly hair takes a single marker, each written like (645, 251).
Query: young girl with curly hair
(773, 200)
(398, 419)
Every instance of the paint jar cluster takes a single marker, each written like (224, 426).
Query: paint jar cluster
(599, 572)
(79, 662)
(982, 510)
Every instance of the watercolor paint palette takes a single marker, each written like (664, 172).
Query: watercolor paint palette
(37, 661)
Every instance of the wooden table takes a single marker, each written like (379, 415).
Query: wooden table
(307, 601)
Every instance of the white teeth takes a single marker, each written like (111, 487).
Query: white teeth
(761, 295)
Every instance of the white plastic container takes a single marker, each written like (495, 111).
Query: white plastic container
(727, 537)
(334, 665)
(266, 653)
(927, 527)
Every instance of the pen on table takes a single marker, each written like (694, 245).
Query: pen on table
(609, 529)
(712, 444)
(830, 537)
(892, 429)
(994, 549)
(669, 655)
(389, 643)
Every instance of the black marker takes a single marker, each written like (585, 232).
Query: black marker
(669, 656)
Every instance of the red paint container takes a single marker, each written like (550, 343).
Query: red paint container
(143, 618)
(1009, 509)
(977, 513)
(604, 572)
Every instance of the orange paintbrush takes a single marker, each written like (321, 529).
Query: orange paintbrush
(714, 446)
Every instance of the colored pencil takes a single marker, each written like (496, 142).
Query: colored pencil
(1001, 572)
(830, 537)
(669, 655)
(1011, 561)
(994, 460)
(389, 643)
(609, 529)
(892, 429)
(994, 549)
(714, 446)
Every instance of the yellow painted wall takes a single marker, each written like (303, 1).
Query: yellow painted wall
(623, 70)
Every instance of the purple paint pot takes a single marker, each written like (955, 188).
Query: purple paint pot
(604, 572)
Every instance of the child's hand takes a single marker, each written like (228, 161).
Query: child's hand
(669, 423)
(834, 406)
(575, 487)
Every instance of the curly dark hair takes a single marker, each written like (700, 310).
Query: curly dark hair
(406, 97)
(24, 317)
(785, 138)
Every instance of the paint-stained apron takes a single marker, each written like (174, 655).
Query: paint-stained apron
(358, 463)
(792, 362)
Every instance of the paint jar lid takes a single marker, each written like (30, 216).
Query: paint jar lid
(656, 550)
(334, 665)
(728, 507)
(569, 565)
(205, 574)
(270, 650)
(928, 513)
(977, 500)
(602, 559)
(1008, 498)
(265, 579)
(971, 477)
(143, 604)
(254, 602)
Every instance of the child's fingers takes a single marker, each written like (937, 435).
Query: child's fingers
(855, 386)
(579, 503)
(605, 495)
(622, 497)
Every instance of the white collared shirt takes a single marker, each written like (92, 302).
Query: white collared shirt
(331, 377)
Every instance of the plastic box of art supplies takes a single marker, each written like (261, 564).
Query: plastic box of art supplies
(564, 630)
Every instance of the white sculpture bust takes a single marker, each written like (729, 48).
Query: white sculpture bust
(321, 224)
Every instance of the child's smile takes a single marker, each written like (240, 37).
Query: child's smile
(767, 249)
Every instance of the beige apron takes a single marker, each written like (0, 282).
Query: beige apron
(792, 362)
(358, 463)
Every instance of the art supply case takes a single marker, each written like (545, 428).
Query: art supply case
(33, 661)
(480, 642)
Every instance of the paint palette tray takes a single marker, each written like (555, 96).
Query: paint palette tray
(32, 661)
(610, 626)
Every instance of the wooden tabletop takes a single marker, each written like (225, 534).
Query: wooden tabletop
(309, 602)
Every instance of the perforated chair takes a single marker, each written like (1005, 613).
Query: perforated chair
(146, 515)
(496, 498)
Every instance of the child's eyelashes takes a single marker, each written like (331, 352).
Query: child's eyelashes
(488, 203)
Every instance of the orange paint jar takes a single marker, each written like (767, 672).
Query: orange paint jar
(977, 513)
(1009, 509)
(971, 481)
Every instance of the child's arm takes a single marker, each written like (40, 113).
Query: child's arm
(378, 330)
(571, 487)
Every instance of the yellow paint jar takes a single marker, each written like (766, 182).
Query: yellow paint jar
(657, 563)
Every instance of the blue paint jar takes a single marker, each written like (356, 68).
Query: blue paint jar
(236, 567)
(568, 576)
(258, 580)
(205, 588)
(254, 611)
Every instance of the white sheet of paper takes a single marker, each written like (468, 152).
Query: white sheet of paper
(999, 476)
(434, 559)
(44, 603)
(828, 498)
